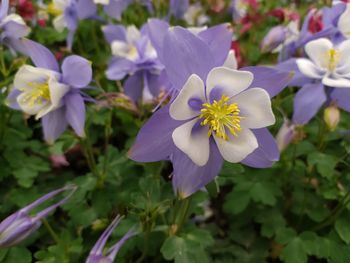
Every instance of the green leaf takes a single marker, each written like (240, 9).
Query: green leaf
(173, 247)
(343, 228)
(325, 164)
(294, 252)
(264, 192)
(236, 202)
(18, 254)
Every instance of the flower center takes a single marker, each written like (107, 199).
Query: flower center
(333, 58)
(38, 93)
(53, 10)
(221, 117)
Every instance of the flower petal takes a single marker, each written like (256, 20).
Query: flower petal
(76, 71)
(309, 69)
(193, 141)
(255, 106)
(336, 83)
(114, 32)
(307, 102)
(317, 51)
(237, 148)
(180, 108)
(231, 61)
(341, 98)
(229, 81)
(344, 22)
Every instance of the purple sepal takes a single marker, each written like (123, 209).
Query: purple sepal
(76, 71)
(307, 102)
(269, 79)
(75, 112)
(54, 124)
(266, 154)
(188, 177)
(341, 97)
(154, 142)
(4, 7)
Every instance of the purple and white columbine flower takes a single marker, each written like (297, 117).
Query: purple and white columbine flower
(134, 55)
(68, 13)
(20, 225)
(225, 118)
(12, 27)
(51, 94)
(96, 254)
(328, 63)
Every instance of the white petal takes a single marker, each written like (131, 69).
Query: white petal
(59, 23)
(317, 51)
(309, 69)
(237, 148)
(57, 91)
(344, 50)
(344, 22)
(180, 108)
(231, 61)
(230, 81)
(255, 106)
(102, 2)
(28, 107)
(45, 110)
(132, 34)
(194, 144)
(336, 83)
(61, 4)
(15, 18)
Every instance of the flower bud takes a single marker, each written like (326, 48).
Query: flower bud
(20, 225)
(331, 117)
(275, 37)
(285, 135)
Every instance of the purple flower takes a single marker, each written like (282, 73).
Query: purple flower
(51, 94)
(12, 27)
(134, 55)
(225, 118)
(178, 8)
(68, 13)
(96, 254)
(323, 76)
(115, 8)
(20, 225)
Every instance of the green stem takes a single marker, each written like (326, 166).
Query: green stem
(181, 215)
(89, 155)
(145, 248)
(51, 231)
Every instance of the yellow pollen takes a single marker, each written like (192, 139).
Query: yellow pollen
(39, 93)
(221, 117)
(53, 10)
(334, 57)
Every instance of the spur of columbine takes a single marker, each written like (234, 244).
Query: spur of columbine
(97, 254)
(51, 94)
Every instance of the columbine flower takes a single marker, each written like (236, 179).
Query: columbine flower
(51, 94)
(344, 22)
(178, 8)
(327, 62)
(134, 55)
(96, 254)
(285, 135)
(223, 109)
(207, 123)
(12, 27)
(331, 117)
(68, 13)
(20, 225)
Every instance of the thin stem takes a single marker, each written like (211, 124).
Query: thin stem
(90, 158)
(180, 216)
(51, 231)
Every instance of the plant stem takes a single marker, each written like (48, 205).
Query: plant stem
(89, 155)
(180, 215)
(51, 231)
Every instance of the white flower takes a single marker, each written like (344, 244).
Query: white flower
(40, 90)
(329, 63)
(128, 49)
(195, 15)
(102, 2)
(223, 108)
(56, 8)
(344, 22)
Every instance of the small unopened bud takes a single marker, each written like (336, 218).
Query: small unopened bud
(331, 117)
(285, 135)
(275, 37)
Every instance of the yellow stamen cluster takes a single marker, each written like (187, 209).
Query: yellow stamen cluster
(39, 93)
(53, 10)
(221, 117)
(334, 57)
